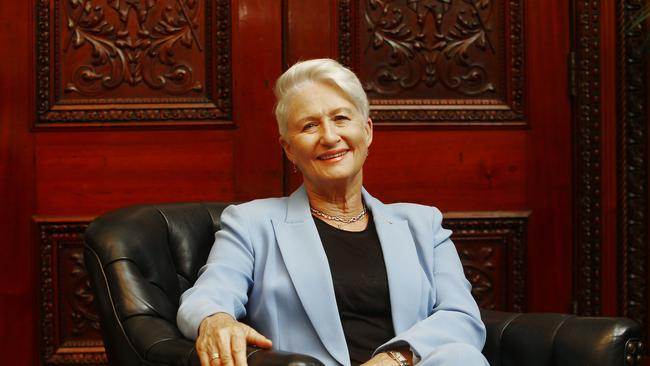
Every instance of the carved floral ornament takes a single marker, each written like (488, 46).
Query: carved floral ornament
(121, 54)
(480, 269)
(83, 313)
(430, 42)
(139, 63)
(437, 62)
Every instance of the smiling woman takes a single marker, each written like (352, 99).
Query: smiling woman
(327, 138)
(331, 271)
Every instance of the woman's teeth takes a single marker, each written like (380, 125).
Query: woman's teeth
(332, 156)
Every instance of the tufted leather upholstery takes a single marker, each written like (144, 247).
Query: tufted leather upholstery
(140, 259)
(546, 339)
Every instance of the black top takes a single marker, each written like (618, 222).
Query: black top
(361, 287)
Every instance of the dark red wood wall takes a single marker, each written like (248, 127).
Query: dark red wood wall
(69, 174)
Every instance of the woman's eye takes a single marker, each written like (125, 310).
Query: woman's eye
(308, 126)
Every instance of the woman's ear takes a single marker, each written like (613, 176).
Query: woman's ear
(286, 147)
(368, 128)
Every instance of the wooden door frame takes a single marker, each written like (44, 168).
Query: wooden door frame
(585, 77)
(632, 164)
(610, 160)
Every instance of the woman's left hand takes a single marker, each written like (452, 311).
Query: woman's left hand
(381, 359)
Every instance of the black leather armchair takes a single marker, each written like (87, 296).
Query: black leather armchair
(140, 259)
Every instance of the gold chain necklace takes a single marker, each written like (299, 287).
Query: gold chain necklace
(342, 220)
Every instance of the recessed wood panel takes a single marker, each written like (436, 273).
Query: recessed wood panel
(70, 328)
(113, 62)
(492, 248)
(437, 62)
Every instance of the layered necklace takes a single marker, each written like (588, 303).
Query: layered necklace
(340, 219)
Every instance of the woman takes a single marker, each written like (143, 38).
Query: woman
(331, 271)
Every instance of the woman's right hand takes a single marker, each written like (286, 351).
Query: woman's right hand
(223, 336)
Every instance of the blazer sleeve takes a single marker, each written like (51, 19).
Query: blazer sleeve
(455, 318)
(224, 281)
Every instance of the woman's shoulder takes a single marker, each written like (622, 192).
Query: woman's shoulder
(419, 216)
(407, 209)
(263, 207)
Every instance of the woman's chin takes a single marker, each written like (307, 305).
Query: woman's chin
(335, 176)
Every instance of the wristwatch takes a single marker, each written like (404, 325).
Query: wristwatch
(398, 357)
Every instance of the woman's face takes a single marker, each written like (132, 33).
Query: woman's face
(327, 138)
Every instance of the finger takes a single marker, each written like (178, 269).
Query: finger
(223, 343)
(207, 354)
(253, 337)
(238, 346)
(203, 351)
(213, 360)
(204, 358)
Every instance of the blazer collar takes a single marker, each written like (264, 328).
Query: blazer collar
(308, 268)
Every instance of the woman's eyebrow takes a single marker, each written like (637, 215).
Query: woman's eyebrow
(315, 116)
(339, 110)
(307, 118)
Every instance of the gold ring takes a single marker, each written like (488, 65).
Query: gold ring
(214, 356)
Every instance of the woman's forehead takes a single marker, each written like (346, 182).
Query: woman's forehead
(318, 99)
(318, 114)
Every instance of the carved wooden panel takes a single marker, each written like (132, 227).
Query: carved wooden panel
(437, 61)
(492, 248)
(633, 162)
(133, 62)
(69, 325)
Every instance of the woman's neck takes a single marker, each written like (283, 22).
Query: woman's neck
(342, 208)
(345, 201)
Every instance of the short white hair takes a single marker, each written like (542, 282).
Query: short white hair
(322, 70)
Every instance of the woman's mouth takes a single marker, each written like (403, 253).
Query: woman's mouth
(332, 155)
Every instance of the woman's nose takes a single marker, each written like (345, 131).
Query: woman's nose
(329, 134)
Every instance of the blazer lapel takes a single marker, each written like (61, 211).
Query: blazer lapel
(308, 268)
(402, 264)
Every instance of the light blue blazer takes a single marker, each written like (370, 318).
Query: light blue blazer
(268, 265)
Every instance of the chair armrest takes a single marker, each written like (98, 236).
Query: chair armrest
(159, 342)
(560, 340)
(267, 357)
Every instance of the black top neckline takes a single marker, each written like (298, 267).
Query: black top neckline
(318, 220)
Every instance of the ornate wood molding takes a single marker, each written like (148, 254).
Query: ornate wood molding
(105, 62)
(633, 162)
(587, 127)
(407, 52)
(70, 330)
(492, 247)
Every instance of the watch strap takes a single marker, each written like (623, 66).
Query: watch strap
(398, 357)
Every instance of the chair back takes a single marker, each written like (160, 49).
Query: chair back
(140, 260)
